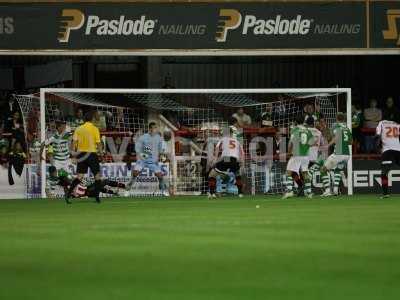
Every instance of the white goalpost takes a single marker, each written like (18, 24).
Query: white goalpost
(193, 117)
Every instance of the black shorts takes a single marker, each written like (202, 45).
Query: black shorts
(228, 164)
(88, 160)
(390, 157)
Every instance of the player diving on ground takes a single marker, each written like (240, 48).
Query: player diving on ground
(82, 190)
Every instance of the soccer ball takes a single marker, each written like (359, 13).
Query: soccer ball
(125, 193)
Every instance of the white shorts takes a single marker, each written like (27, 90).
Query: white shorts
(313, 154)
(333, 160)
(62, 164)
(297, 163)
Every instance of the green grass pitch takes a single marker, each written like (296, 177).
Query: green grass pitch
(195, 248)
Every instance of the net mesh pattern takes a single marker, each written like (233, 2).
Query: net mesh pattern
(193, 120)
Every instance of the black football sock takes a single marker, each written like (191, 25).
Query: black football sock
(97, 189)
(385, 184)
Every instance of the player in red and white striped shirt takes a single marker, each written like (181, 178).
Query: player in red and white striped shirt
(230, 155)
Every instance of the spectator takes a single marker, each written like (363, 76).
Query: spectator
(356, 116)
(57, 114)
(279, 111)
(34, 147)
(4, 142)
(33, 121)
(168, 82)
(8, 111)
(17, 130)
(309, 112)
(266, 117)
(77, 120)
(372, 116)
(4, 156)
(4, 146)
(16, 120)
(314, 112)
(101, 124)
(279, 108)
(116, 153)
(51, 129)
(119, 121)
(356, 120)
(280, 143)
(318, 112)
(242, 118)
(17, 159)
(18, 150)
(186, 120)
(389, 107)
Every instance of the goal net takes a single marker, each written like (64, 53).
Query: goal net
(191, 123)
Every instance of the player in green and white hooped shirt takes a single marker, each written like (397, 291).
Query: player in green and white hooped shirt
(342, 139)
(300, 141)
(60, 143)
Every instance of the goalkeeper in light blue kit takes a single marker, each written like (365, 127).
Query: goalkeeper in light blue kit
(149, 147)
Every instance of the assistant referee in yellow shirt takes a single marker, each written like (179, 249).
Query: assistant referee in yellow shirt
(86, 144)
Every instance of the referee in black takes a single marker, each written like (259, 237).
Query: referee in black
(86, 144)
